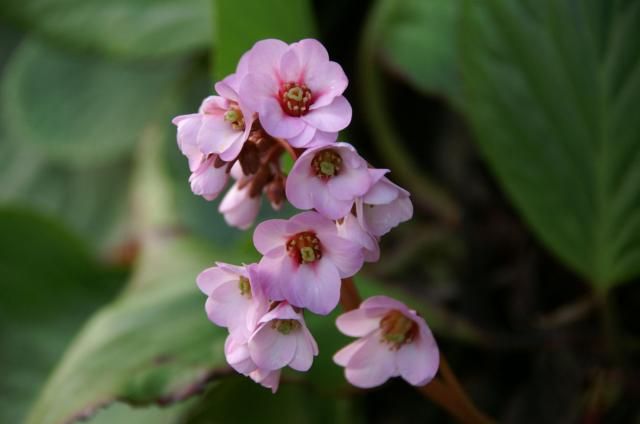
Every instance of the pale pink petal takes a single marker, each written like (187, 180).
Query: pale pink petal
(326, 82)
(349, 184)
(380, 219)
(360, 322)
(419, 360)
(237, 355)
(227, 307)
(306, 348)
(277, 123)
(314, 221)
(314, 286)
(270, 234)
(265, 55)
(322, 138)
(332, 117)
(304, 138)
(312, 54)
(256, 88)
(213, 277)
(385, 302)
(345, 254)
(275, 271)
(344, 355)
(208, 181)
(271, 349)
(217, 136)
(373, 364)
(238, 208)
(290, 68)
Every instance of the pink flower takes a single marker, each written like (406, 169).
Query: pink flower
(220, 127)
(351, 229)
(235, 298)
(394, 341)
(297, 91)
(282, 339)
(207, 180)
(304, 260)
(384, 206)
(238, 208)
(328, 179)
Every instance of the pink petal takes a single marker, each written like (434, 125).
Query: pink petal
(305, 349)
(385, 302)
(418, 361)
(272, 269)
(277, 123)
(304, 138)
(217, 136)
(322, 138)
(360, 322)
(372, 364)
(315, 287)
(326, 82)
(211, 278)
(332, 117)
(227, 307)
(256, 89)
(314, 221)
(344, 254)
(268, 379)
(271, 349)
(349, 184)
(290, 67)
(344, 355)
(237, 355)
(265, 55)
(270, 235)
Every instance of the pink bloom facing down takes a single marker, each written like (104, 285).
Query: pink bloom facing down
(207, 180)
(235, 298)
(236, 351)
(282, 339)
(304, 260)
(238, 208)
(328, 179)
(268, 379)
(297, 91)
(384, 206)
(393, 341)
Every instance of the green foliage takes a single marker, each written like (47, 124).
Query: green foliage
(79, 109)
(239, 25)
(153, 344)
(418, 39)
(132, 28)
(553, 89)
(50, 285)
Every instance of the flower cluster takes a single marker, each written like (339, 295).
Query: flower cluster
(288, 99)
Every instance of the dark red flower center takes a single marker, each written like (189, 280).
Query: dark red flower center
(326, 164)
(295, 98)
(397, 329)
(304, 247)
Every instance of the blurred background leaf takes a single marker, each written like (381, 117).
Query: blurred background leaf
(131, 28)
(50, 284)
(82, 110)
(552, 94)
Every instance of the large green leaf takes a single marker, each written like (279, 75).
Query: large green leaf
(49, 286)
(418, 39)
(239, 26)
(80, 109)
(140, 28)
(91, 201)
(553, 90)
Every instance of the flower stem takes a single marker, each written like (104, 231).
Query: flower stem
(444, 390)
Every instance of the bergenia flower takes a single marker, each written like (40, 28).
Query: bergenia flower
(236, 351)
(239, 209)
(296, 91)
(209, 178)
(350, 228)
(384, 206)
(304, 260)
(235, 298)
(393, 341)
(328, 179)
(282, 339)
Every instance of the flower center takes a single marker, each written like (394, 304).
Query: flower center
(326, 164)
(234, 116)
(397, 329)
(294, 98)
(245, 287)
(285, 326)
(304, 247)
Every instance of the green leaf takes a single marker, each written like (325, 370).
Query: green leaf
(152, 345)
(240, 400)
(49, 286)
(79, 109)
(91, 201)
(417, 38)
(553, 89)
(239, 25)
(137, 28)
